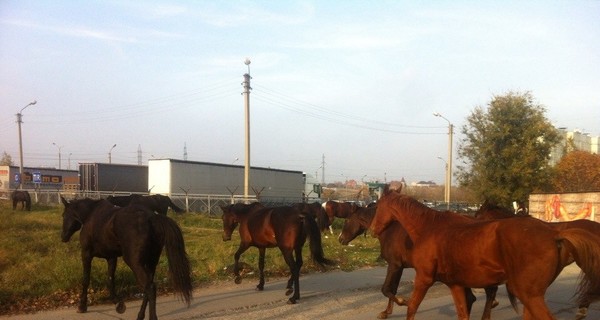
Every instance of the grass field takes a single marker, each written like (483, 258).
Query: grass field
(38, 271)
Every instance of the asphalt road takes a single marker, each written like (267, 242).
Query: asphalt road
(332, 295)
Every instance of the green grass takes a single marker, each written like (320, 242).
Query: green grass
(38, 271)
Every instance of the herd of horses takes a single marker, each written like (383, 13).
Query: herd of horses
(493, 248)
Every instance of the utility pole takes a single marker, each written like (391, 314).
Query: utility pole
(323, 171)
(19, 121)
(139, 155)
(246, 93)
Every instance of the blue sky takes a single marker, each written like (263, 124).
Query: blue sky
(357, 81)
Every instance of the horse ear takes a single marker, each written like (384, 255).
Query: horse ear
(64, 201)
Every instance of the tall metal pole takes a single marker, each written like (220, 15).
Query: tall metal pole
(19, 121)
(247, 88)
(59, 156)
(449, 168)
(110, 153)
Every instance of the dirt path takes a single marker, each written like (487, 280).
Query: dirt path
(333, 295)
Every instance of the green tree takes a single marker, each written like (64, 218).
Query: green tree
(505, 150)
(577, 171)
(6, 160)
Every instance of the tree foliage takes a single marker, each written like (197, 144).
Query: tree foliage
(505, 149)
(577, 171)
(6, 160)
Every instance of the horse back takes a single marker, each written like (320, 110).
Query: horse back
(270, 227)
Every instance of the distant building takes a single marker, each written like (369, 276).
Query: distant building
(576, 138)
(37, 178)
(424, 184)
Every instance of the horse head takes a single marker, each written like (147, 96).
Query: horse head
(351, 229)
(71, 220)
(230, 221)
(384, 212)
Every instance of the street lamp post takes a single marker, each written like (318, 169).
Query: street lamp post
(110, 153)
(246, 93)
(59, 157)
(70, 154)
(449, 163)
(19, 121)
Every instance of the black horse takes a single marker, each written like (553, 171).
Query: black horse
(157, 202)
(135, 233)
(23, 197)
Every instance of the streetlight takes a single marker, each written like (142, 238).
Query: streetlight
(246, 93)
(449, 163)
(59, 158)
(70, 161)
(19, 121)
(110, 153)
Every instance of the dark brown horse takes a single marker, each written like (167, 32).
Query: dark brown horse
(396, 249)
(282, 227)
(156, 202)
(490, 212)
(337, 209)
(136, 234)
(316, 211)
(23, 197)
(460, 252)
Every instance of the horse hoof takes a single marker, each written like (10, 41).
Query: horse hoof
(382, 315)
(400, 301)
(238, 280)
(81, 309)
(581, 314)
(260, 288)
(121, 307)
(291, 301)
(289, 291)
(495, 303)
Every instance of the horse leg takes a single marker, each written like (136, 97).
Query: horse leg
(299, 263)
(112, 267)
(87, 267)
(418, 294)
(490, 302)
(295, 271)
(236, 265)
(390, 288)
(535, 308)
(470, 299)
(261, 269)
(460, 302)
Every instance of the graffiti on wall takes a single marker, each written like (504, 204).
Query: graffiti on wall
(554, 209)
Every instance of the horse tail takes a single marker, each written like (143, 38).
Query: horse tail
(316, 246)
(179, 265)
(322, 220)
(174, 207)
(584, 246)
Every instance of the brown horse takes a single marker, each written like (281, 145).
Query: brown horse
(23, 197)
(282, 227)
(337, 209)
(490, 212)
(156, 202)
(316, 211)
(136, 234)
(396, 249)
(460, 252)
